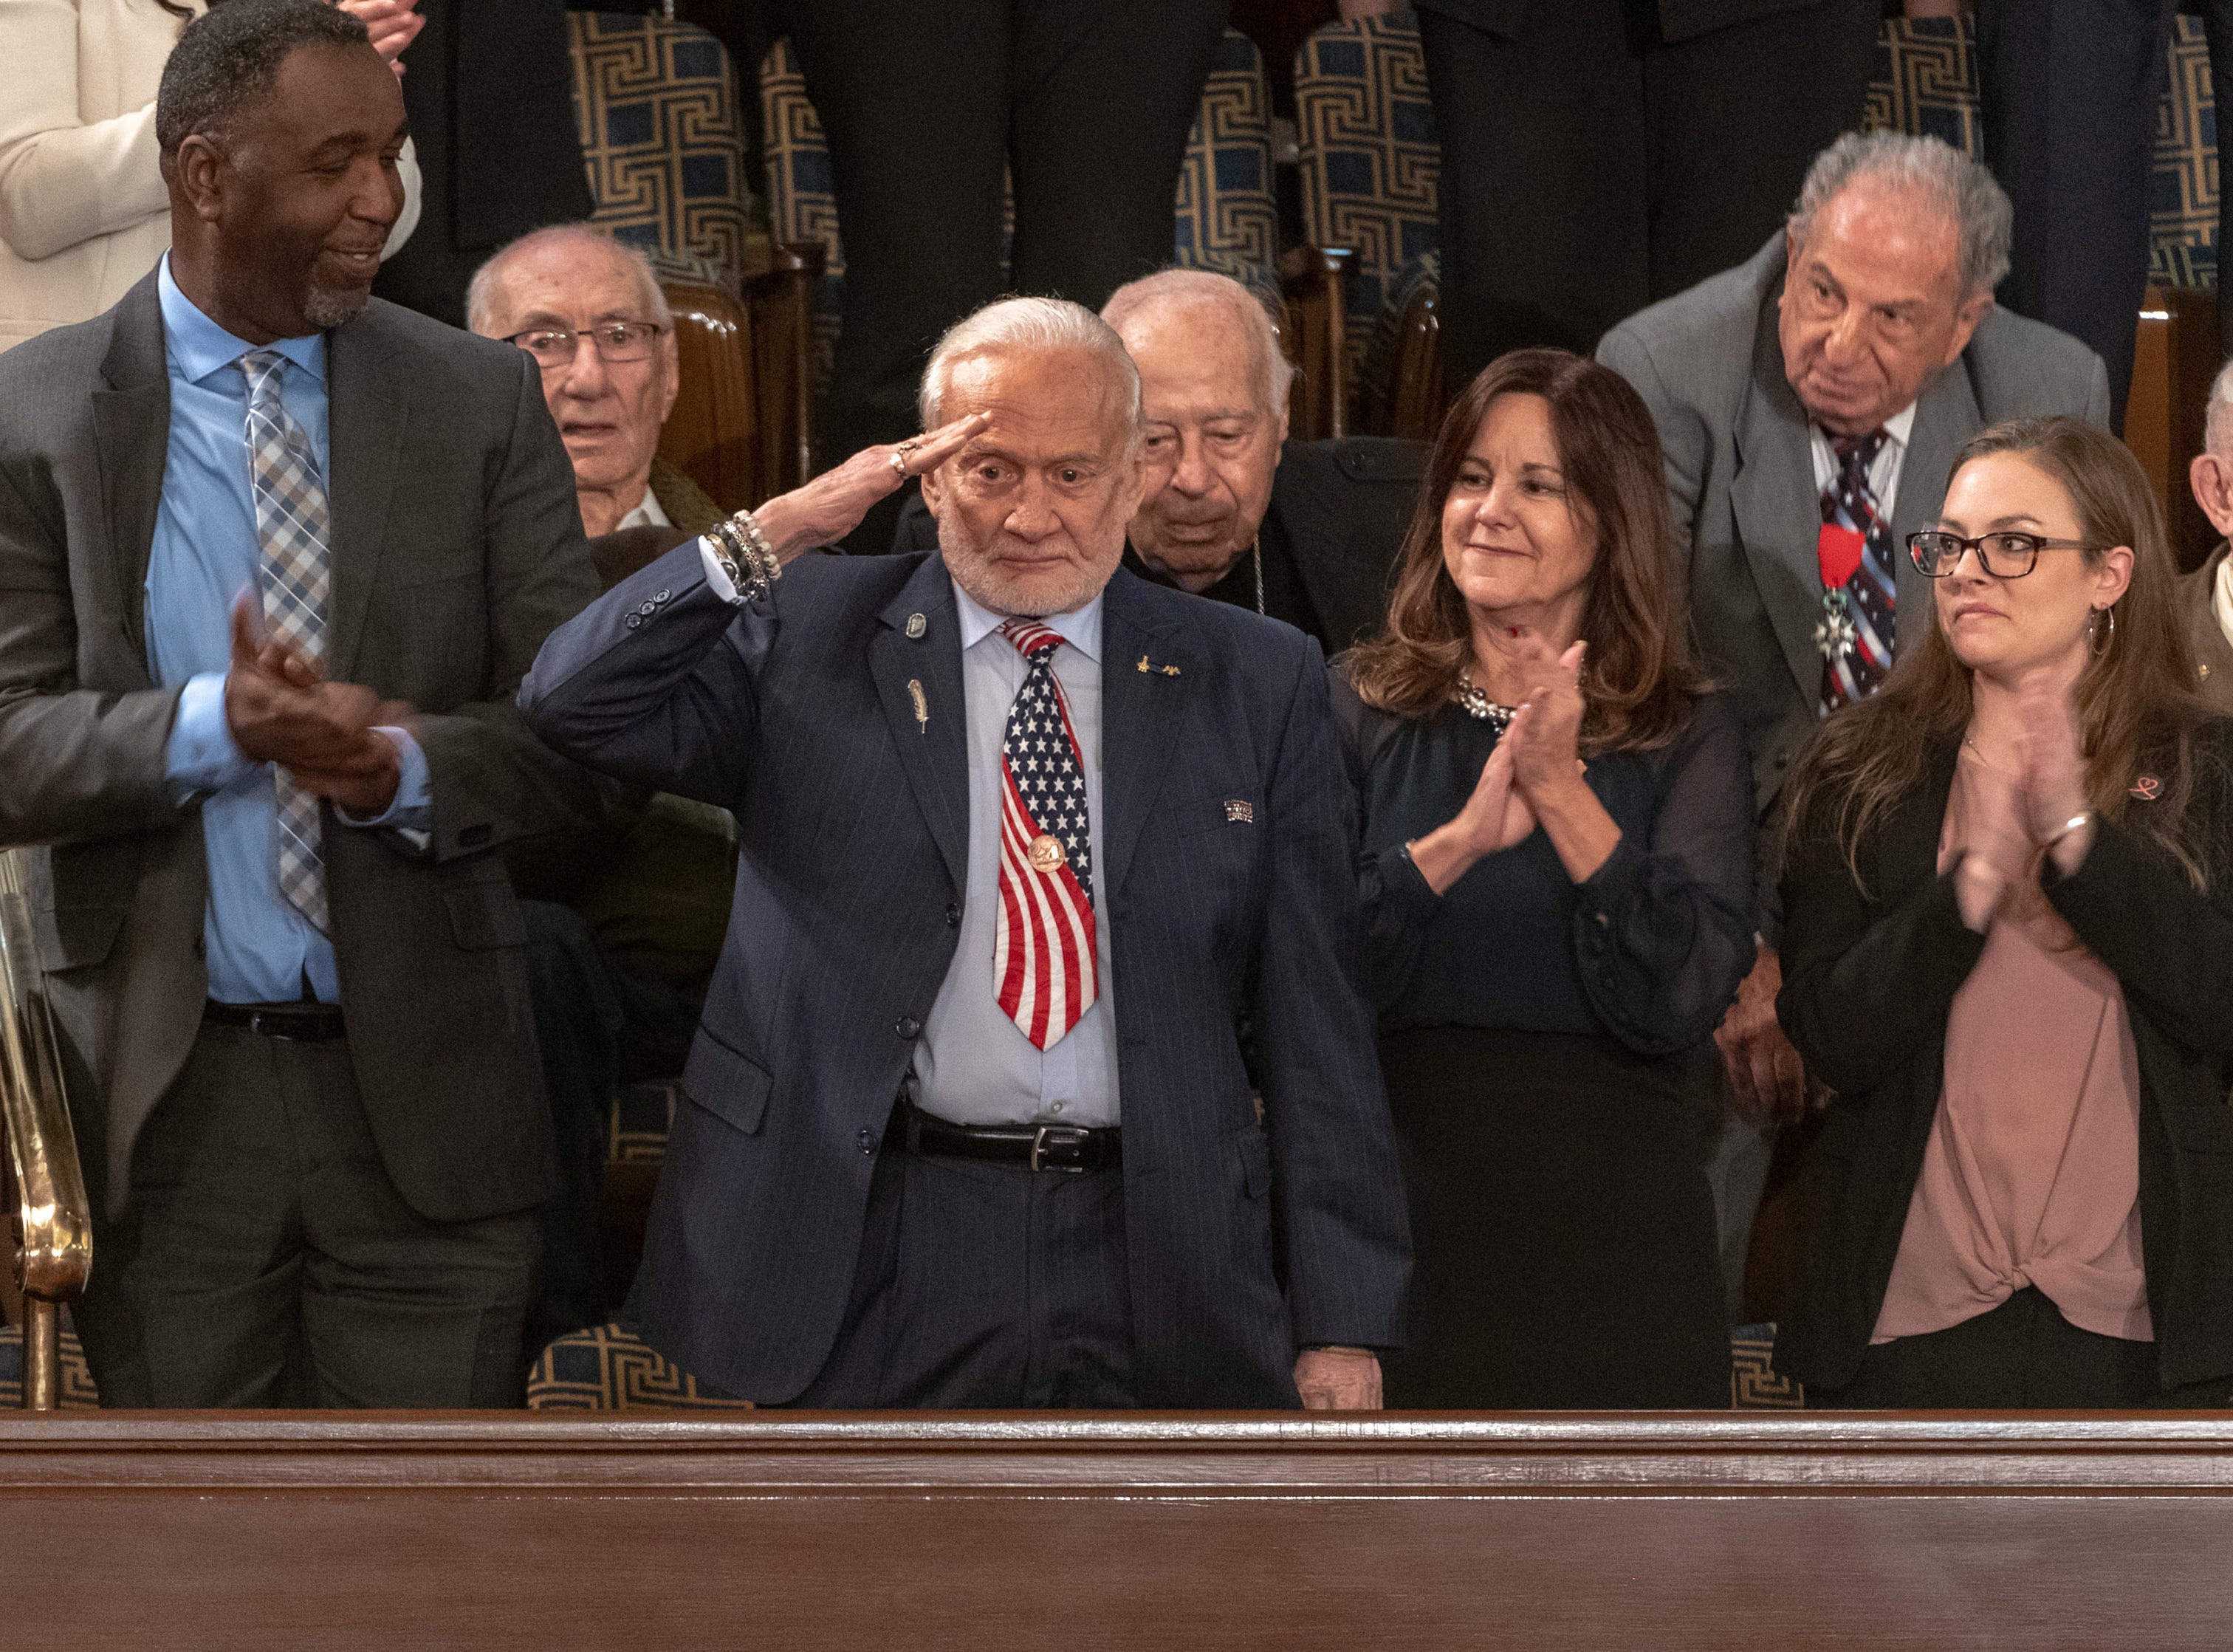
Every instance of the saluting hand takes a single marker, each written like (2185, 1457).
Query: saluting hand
(825, 510)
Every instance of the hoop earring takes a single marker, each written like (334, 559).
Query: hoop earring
(2098, 643)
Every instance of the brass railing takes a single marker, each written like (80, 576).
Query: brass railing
(52, 1221)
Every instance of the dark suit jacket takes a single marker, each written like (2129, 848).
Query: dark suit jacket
(457, 545)
(1247, 1239)
(1868, 979)
(1344, 506)
(1677, 19)
(2213, 655)
(1741, 478)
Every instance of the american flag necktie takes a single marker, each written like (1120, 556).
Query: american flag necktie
(1858, 590)
(1044, 971)
(295, 575)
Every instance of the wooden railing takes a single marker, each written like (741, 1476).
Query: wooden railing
(1094, 1531)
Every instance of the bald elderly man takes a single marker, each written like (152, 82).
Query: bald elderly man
(1305, 533)
(590, 312)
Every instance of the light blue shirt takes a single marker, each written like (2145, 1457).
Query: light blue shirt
(204, 553)
(974, 1065)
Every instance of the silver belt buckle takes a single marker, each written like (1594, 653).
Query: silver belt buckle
(1073, 1133)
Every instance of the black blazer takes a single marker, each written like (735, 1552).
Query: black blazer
(1678, 20)
(1868, 979)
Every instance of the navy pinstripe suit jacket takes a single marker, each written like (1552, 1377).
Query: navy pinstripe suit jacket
(1245, 1240)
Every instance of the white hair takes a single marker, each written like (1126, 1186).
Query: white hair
(481, 294)
(1977, 206)
(1207, 289)
(1015, 324)
(2217, 421)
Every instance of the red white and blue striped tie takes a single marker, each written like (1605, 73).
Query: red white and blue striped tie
(1044, 971)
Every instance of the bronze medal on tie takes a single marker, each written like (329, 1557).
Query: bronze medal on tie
(1045, 852)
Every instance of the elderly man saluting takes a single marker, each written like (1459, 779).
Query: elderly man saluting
(1025, 840)
(1810, 403)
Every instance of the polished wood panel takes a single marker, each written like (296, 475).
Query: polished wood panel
(1098, 1531)
(713, 433)
(2176, 354)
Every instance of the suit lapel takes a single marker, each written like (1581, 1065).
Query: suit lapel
(131, 434)
(1152, 665)
(934, 747)
(1777, 506)
(1334, 571)
(1946, 416)
(368, 401)
(1907, 857)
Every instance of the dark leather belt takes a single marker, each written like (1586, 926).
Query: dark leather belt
(304, 1023)
(1071, 1148)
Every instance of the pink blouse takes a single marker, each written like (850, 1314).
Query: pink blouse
(2031, 1174)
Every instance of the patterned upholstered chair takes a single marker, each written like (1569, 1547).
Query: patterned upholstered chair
(656, 104)
(607, 1368)
(1754, 1384)
(1370, 164)
(78, 1391)
(1926, 81)
(1228, 216)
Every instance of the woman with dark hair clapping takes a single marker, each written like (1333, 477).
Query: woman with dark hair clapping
(1558, 864)
(2007, 893)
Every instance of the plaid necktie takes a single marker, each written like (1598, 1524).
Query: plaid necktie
(1858, 590)
(1044, 971)
(295, 575)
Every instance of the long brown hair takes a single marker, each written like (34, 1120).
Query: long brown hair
(1641, 676)
(2137, 708)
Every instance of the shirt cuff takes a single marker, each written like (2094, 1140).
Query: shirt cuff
(202, 755)
(1406, 885)
(717, 576)
(413, 805)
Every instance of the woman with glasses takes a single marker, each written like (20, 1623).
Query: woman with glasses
(1558, 864)
(2007, 894)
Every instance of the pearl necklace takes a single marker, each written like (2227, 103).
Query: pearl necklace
(1476, 704)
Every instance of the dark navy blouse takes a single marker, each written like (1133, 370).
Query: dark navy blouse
(1649, 951)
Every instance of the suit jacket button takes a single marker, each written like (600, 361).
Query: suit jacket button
(952, 916)
(661, 597)
(867, 1143)
(646, 609)
(909, 1027)
(634, 621)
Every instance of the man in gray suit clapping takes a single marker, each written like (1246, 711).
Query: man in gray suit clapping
(273, 556)
(1810, 402)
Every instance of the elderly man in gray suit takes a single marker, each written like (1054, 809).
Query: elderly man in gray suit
(1810, 403)
(273, 556)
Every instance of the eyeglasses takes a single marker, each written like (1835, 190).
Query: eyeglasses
(556, 347)
(2004, 556)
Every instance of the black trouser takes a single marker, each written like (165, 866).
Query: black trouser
(2070, 90)
(984, 1285)
(1589, 169)
(1085, 103)
(267, 1259)
(2022, 1355)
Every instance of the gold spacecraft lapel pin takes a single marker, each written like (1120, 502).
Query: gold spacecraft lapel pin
(1167, 670)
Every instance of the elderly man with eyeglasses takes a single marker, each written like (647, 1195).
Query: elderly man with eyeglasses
(590, 313)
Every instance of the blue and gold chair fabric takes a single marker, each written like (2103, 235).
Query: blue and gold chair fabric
(2183, 206)
(1370, 160)
(802, 195)
(1227, 213)
(607, 1368)
(1926, 83)
(641, 1120)
(656, 103)
(78, 1391)
(1754, 1384)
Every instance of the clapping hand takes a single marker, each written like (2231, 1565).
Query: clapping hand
(1545, 733)
(393, 24)
(825, 510)
(2054, 769)
(282, 710)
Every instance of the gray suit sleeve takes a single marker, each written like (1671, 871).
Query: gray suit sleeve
(1683, 442)
(75, 763)
(493, 781)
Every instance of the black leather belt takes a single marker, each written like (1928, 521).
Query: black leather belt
(304, 1023)
(1071, 1148)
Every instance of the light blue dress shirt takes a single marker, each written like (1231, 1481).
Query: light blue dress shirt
(974, 1064)
(204, 554)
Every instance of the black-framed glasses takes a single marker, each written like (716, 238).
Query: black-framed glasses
(556, 347)
(2004, 556)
